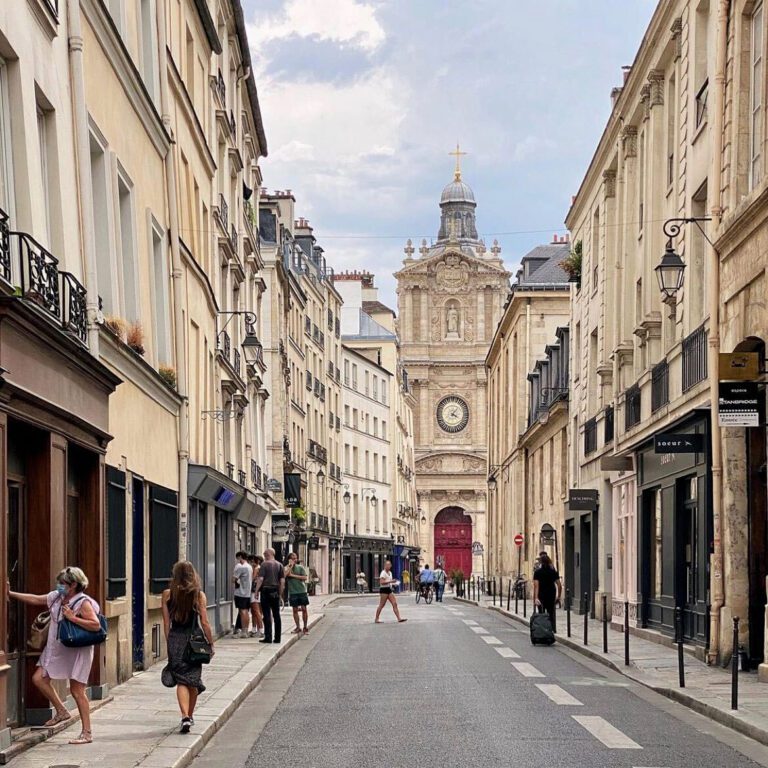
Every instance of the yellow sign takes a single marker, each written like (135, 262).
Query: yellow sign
(739, 366)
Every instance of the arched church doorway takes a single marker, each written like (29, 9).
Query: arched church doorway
(453, 540)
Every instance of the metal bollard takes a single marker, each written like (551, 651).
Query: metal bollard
(679, 633)
(568, 611)
(509, 594)
(626, 633)
(517, 596)
(735, 665)
(605, 623)
(586, 618)
(525, 602)
(493, 590)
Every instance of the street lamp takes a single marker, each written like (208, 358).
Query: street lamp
(491, 479)
(671, 269)
(374, 500)
(347, 498)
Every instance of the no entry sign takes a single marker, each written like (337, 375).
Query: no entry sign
(519, 540)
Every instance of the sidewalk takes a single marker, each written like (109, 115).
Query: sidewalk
(139, 727)
(707, 689)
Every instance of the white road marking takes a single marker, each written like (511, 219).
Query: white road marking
(470, 622)
(457, 613)
(491, 640)
(479, 630)
(507, 653)
(527, 670)
(558, 695)
(603, 731)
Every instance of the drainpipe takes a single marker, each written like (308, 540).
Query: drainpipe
(177, 276)
(83, 164)
(717, 560)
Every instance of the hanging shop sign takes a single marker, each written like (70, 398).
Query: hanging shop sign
(281, 524)
(273, 485)
(739, 366)
(584, 499)
(739, 404)
(547, 534)
(292, 484)
(313, 542)
(673, 443)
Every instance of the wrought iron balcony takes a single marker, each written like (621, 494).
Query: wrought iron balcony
(330, 320)
(233, 238)
(241, 477)
(608, 425)
(225, 345)
(694, 358)
(5, 247)
(236, 361)
(232, 125)
(659, 385)
(74, 315)
(590, 436)
(223, 212)
(308, 380)
(632, 406)
(230, 470)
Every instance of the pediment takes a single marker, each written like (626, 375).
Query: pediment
(451, 463)
(451, 257)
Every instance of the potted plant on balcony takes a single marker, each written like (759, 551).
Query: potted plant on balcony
(116, 326)
(135, 337)
(168, 375)
(299, 517)
(571, 264)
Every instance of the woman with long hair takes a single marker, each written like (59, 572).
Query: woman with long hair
(547, 587)
(184, 605)
(57, 661)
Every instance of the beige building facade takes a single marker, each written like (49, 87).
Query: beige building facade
(450, 298)
(527, 411)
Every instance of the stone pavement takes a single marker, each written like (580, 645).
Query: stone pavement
(707, 689)
(139, 727)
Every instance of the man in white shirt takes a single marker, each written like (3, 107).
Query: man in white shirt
(242, 577)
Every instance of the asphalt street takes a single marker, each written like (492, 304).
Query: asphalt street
(455, 686)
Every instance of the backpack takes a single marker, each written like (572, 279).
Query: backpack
(541, 629)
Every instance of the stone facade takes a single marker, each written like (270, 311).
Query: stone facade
(450, 296)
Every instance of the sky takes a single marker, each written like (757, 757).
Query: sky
(363, 100)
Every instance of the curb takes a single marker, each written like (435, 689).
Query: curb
(728, 719)
(205, 736)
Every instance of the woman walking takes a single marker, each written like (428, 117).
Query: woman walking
(257, 622)
(184, 605)
(386, 595)
(547, 587)
(58, 662)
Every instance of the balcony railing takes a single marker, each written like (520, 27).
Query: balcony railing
(225, 345)
(233, 238)
(236, 361)
(223, 212)
(659, 385)
(694, 358)
(220, 87)
(241, 477)
(590, 437)
(230, 470)
(317, 387)
(39, 273)
(5, 247)
(330, 320)
(632, 403)
(608, 425)
(337, 327)
(307, 325)
(232, 125)
(308, 380)
(74, 315)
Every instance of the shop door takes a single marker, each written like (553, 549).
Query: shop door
(138, 580)
(585, 563)
(453, 540)
(687, 554)
(17, 640)
(758, 540)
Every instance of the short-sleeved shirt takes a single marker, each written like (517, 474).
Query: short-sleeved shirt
(244, 575)
(297, 586)
(547, 578)
(439, 576)
(272, 573)
(427, 576)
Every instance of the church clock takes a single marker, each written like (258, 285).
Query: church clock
(452, 414)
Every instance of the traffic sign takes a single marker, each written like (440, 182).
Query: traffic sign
(477, 548)
(519, 540)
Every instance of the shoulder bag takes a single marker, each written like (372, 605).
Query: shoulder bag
(72, 635)
(38, 632)
(198, 650)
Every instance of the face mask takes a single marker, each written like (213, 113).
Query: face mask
(61, 589)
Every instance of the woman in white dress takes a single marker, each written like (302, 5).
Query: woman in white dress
(386, 593)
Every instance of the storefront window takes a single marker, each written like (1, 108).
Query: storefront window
(656, 545)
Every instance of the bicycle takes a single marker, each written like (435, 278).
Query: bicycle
(425, 591)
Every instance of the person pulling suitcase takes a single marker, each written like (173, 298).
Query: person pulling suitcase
(547, 588)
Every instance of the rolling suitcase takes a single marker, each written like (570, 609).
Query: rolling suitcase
(541, 629)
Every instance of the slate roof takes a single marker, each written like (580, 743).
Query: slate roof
(549, 272)
(376, 306)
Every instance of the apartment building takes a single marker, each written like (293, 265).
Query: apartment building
(527, 400)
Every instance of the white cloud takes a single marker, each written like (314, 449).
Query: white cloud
(293, 151)
(341, 21)
(531, 146)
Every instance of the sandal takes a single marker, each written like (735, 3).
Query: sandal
(296, 631)
(85, 737)
(59, 717)
(306, 631)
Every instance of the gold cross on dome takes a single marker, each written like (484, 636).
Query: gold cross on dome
(457, 154)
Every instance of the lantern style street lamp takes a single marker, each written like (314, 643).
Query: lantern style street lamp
(671, 270)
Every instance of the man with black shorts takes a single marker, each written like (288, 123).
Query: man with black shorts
(242, 576)
(270, 586)
(298, 599)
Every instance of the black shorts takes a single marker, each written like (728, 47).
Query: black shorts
(243, 603)
(298, 600)
(385, 590)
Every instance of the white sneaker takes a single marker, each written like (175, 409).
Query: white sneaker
(252, 633)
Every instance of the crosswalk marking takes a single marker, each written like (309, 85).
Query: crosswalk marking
(479, 630)
(558, 695)
(527, 670)
(603, 731)
(470, 622)
(491, 640)
(457, 613)
(507, 653)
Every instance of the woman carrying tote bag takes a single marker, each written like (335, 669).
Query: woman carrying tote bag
(189, 639)
(57, 661)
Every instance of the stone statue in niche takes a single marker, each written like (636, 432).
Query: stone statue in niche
(452, 318)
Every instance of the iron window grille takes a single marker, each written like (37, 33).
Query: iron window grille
(694, 358)
(632, 403)
(659, 385)
(590, 436)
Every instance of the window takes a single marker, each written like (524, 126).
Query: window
(149, 48)
(383, 428)
(375, 466)
(757, 87)
(346, 373)
(162, 320)
(367, 383)
(384, 469)
(354, 418)
(42, 138)
(346, 415)
(384, 385)
(6, 186)
(126, 233)
(354, 376)
(375, 387)
(671, 109)
(116, 576)
(105, 264)
(375, 427)
(163, 536)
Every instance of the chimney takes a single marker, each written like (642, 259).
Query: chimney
(615, 94)
(626, 69)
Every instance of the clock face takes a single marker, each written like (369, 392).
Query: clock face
(452, 414)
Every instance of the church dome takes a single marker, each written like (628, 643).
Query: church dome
(457, 192)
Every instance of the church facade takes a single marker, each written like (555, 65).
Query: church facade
(450, 298)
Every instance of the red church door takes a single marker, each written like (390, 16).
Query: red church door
(453, 540)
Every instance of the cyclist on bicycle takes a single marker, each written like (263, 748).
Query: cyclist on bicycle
(426, 580)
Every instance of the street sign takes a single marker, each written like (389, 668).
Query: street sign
(477, 548)
(274, 485)
(739, 366)
(519, 540)
(739, 404)
(674, 443)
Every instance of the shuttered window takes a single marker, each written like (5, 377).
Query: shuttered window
(163, 536)
(116, 576)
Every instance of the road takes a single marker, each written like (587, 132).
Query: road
(456, 686)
